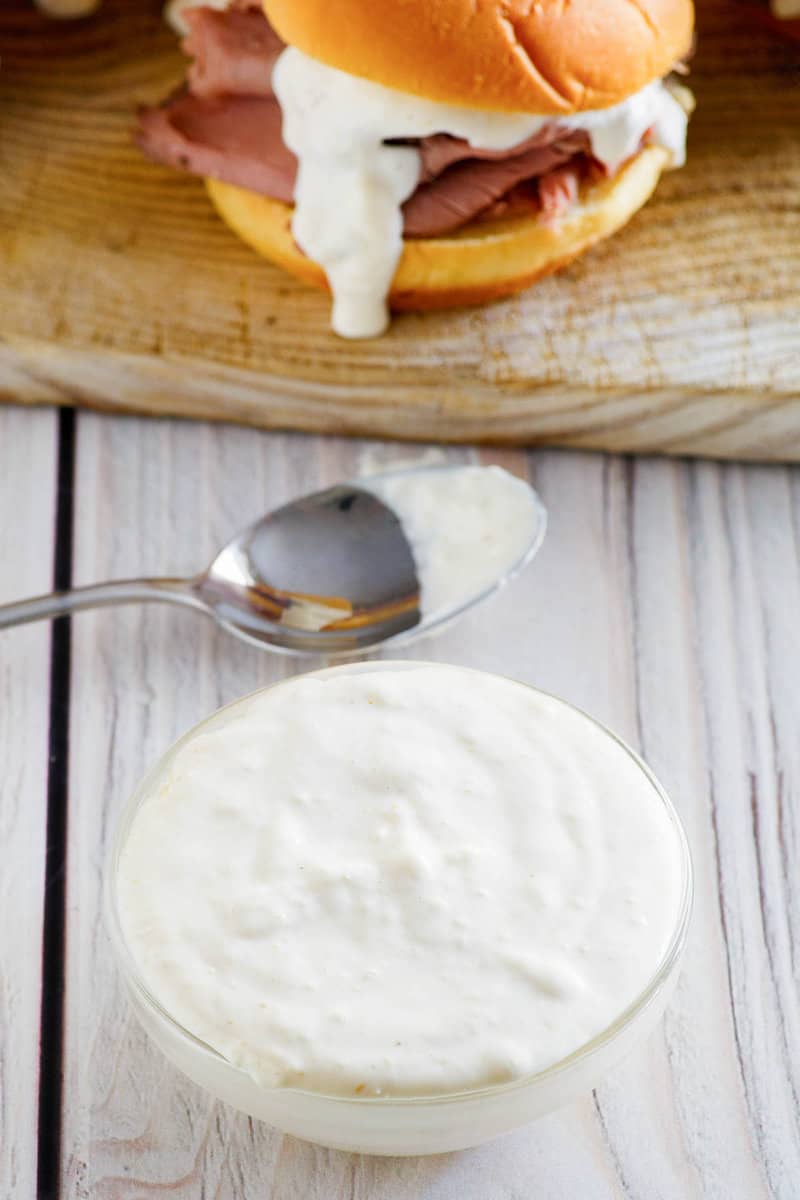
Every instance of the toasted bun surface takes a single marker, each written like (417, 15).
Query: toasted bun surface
(539, 56)
(481, 262)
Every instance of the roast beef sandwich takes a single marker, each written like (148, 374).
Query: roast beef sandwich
(425, 153)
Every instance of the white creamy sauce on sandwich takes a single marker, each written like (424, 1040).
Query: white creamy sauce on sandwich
(351, 186)
(467, 528)
(400, 882)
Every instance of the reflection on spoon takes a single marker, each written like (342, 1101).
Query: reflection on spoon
(390, 556)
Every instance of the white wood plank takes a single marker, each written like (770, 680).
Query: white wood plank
(700, 1136)
(28, 442)
(664, 603)
(745, 521)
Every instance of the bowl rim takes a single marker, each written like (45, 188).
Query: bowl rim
(129, 967)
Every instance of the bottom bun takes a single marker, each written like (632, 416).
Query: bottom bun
(483, 261)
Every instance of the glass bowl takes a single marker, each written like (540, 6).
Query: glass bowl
(398, 1125)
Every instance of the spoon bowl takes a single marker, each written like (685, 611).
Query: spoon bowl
(331, 573)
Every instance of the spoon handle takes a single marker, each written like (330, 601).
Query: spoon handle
(123, 591)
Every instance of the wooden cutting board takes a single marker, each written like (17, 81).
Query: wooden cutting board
(119, 288)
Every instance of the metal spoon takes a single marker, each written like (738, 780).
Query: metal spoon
(329, 573)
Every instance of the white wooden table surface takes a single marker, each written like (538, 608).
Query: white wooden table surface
(666, 601)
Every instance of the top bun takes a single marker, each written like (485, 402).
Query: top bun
(538, 56)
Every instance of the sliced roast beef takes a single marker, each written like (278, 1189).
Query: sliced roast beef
(472, 186)
(227, 124)
(442, 150)
(234, 138)
(558, 190)
(233, 52)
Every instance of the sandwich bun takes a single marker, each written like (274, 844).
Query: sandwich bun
(538, 56)
(482, 261)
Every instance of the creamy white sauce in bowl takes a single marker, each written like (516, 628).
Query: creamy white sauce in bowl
(398, 908)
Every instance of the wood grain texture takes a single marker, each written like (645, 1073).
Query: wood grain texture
(27, 487)
(119, 287)
(664, 602)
